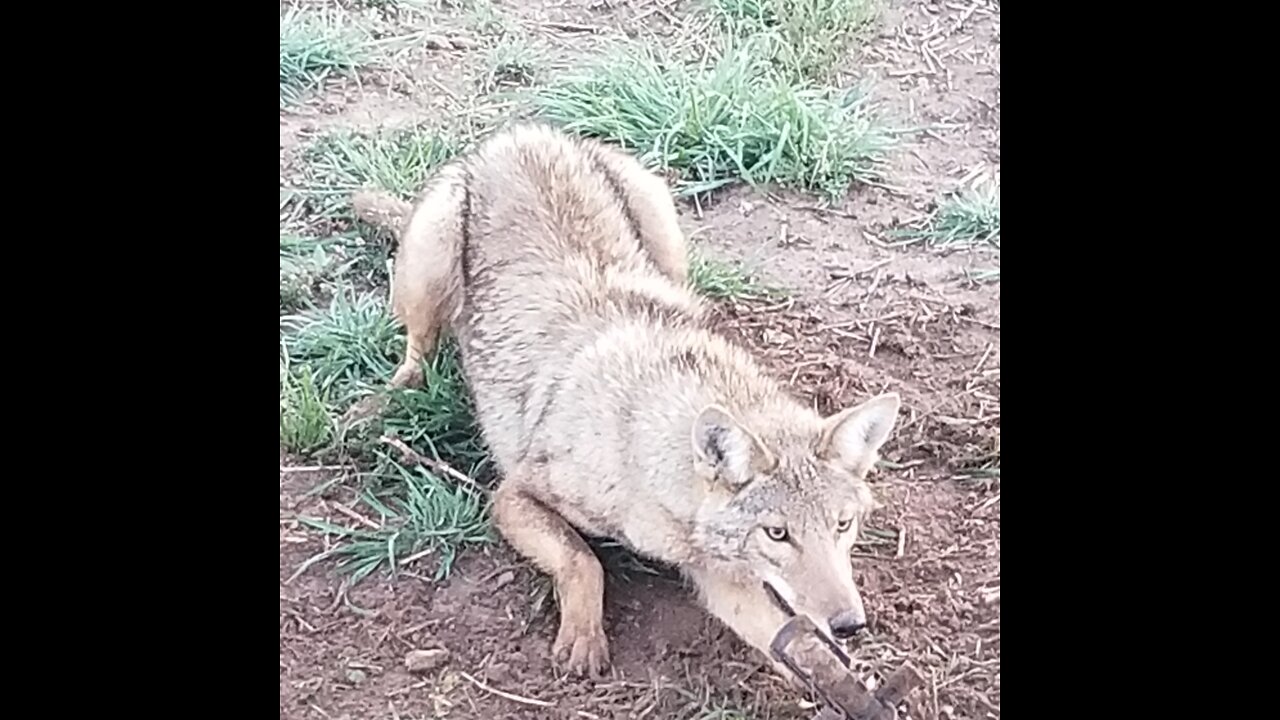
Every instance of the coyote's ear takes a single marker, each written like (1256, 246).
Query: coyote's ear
(853, 436)
(724, 449)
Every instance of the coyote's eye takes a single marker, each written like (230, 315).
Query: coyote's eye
(776, 534)
(844, 525)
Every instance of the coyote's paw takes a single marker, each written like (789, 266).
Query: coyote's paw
(584, 649)
(408, 375)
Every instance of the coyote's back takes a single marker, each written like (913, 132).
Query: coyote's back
(556, 239)
(562, 239)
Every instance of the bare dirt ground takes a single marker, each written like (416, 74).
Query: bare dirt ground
(861, 318)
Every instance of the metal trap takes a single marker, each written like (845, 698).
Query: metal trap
(824, 667)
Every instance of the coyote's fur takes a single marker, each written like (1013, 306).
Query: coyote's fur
(609, 407)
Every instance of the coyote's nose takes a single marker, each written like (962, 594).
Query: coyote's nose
(847, 624)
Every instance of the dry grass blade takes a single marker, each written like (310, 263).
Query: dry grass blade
(509, 696)
(439, 466)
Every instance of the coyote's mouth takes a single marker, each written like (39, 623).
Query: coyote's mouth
(782, 604)
(778, 600)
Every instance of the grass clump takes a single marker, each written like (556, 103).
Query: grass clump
(983, 276)
(969, 218)
(307, 264)
(722, 121)
(352, 347)
(313, 46)
(438, 419)
(305, 423)
(419, 515)
(334, 167)
(349, 346)
(511, 63)
(812, 35)
(349, 349)
(723, 281)
(483, 17)
(398, 161)
(389, 5)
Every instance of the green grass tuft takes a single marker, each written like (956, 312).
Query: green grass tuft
(387, 5)
(735, 119)
(345, 351)
(969, 218)
(419, 516)
(337, 165)
(985, 275)
(313, 46)
(305, 423)
(309, 265)
(483, 17)
(723, 281)
(438, 419)
(810, 36)
(351, 345)
(512, 63)
(398, 161)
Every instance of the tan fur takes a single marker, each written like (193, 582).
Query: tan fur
(610, 408)
(382, 210)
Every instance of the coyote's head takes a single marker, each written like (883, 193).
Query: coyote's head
(788, 498)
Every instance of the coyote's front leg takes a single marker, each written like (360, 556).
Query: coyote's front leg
(547, 539)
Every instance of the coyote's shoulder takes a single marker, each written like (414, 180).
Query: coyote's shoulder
(610, 407)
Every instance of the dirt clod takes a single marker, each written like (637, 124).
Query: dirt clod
(424, 661)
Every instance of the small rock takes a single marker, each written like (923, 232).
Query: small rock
(356, 676)
(504, 580)
(421, 661)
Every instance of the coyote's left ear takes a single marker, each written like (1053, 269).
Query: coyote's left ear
(853, 436)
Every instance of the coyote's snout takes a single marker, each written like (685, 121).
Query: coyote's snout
(610, 408)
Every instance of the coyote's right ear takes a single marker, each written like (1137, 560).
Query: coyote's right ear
(726, 450)
(852, 437)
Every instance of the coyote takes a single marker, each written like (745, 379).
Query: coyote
(610, 408)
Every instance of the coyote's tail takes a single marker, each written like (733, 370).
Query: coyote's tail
(381, 209)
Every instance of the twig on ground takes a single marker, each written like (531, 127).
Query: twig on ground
(509, 696)
(355, 516)
(438, 465)
(311, 468)
(976, 321)
(571, 27)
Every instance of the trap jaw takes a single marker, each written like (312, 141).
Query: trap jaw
(824, 667)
